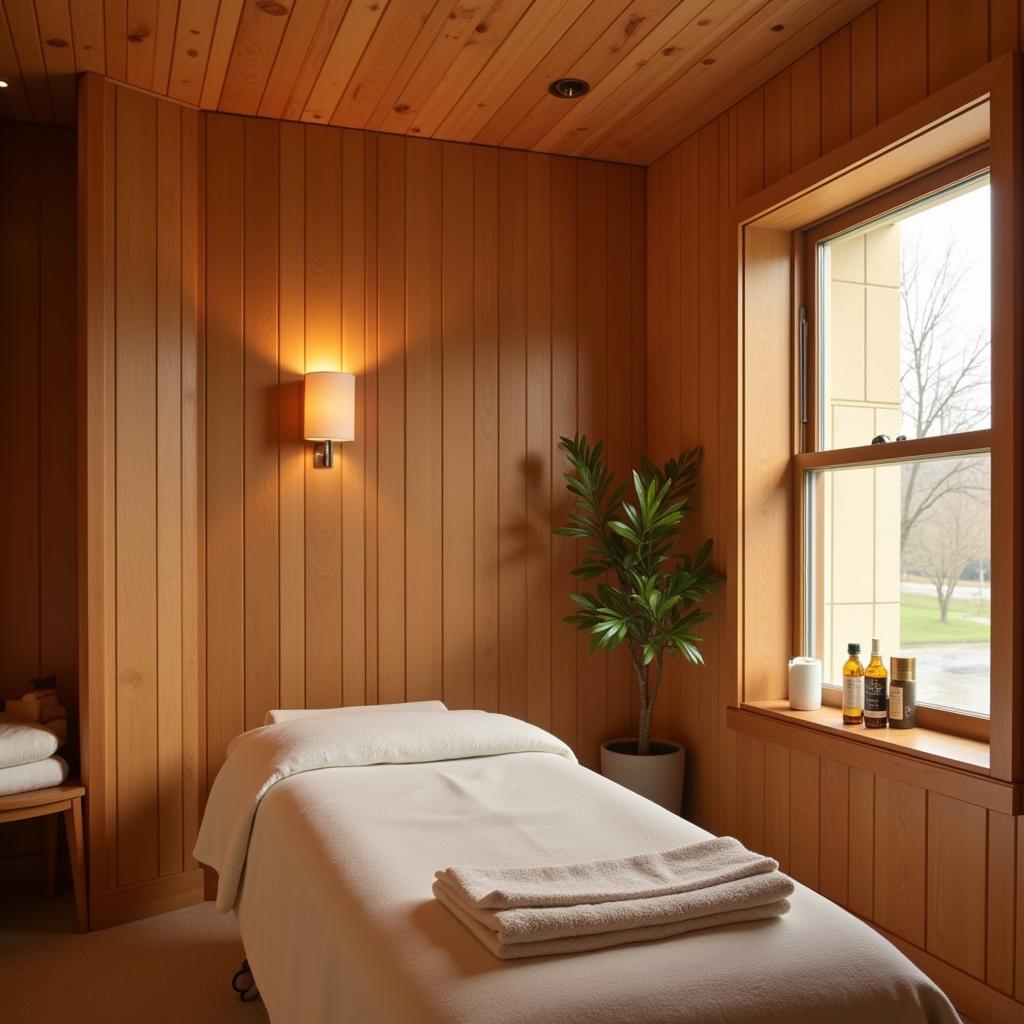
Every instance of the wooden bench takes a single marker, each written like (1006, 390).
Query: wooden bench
(64, 799)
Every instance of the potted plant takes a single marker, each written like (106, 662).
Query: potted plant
(647, 594)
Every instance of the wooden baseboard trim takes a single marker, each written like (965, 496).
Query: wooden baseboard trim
(132, 902)
(970, 995)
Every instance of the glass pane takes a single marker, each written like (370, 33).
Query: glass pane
(905, 340)
(901, 553)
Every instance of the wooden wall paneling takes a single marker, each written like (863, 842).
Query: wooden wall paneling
(777, 802)
(702, 757)
(564, 423)
(353, 461)
(260, 234)
(137, 722)
(900, 859)
(193, 476)
(751, 157)
(956, 886)
(1019, 980)
(323, 352)
(622, 454)
(486, 417)
(225, 528)
(538, 463)
(862, 842)
(777, 127)
(1004, 26)
(22, 25)
(958, 37)
(836, 80)
(257, 39)
(1001, 947)
(292, 453)
(423, 411)
(58, 419)
(512, 452)
(834, 826)
(804, 816)
(371, 389)
(864, 72)
(750, 797)
(902, 55)
(169, 461)
(592, 285)
(19, 411)
(805, 129)
(458, 426)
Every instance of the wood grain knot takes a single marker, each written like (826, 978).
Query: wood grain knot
(57, 44)
(275, 10)
(138, 37)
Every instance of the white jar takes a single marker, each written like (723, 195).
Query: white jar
(805, 684)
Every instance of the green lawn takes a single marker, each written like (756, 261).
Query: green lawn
(919, 622)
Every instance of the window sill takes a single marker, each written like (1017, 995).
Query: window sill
(954, 765)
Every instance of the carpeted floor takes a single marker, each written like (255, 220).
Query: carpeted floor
(173, 968)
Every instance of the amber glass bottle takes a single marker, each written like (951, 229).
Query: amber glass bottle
(853, 687)
(876, 690)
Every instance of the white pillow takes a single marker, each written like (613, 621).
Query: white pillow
(291, 714)
(24, 742)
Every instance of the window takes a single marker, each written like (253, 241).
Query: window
(896, 417)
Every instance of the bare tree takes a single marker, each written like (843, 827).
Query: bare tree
(945, 374)
(953, 533)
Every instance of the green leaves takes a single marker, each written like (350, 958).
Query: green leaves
(647, 593)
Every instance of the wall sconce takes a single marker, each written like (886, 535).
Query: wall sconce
(329, 413)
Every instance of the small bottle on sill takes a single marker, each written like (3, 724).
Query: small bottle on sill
(876, 690)
(853, 687)
(903, 693)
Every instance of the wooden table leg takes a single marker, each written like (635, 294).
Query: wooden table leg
(76, 854)
(49, 824)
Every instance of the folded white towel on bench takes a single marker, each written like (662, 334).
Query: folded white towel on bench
(23, 778)
(24, 742)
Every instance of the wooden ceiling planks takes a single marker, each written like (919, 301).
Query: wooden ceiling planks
(465, 70)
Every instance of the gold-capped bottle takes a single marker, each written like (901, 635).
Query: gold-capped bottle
(876, 690)
(853, 687)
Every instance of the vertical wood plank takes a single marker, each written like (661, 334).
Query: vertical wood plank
(804, 816)
(1019, 982)
(537, 463)
(776, 127)
(564, 389)
(485, 440)
(862, 842)
(902, 55)
(750, 797)
(956, 889)
(957, 40)
(1001, 941)
(423, 411)
(900, 844)
(864, 72)
(169, 457)
(323, 352)
(353, 461)
(751, 115)
(834, 844)
(776, 803)
(291, 468)
(805, 129)
(391, 593)
(458, 426)
(262, 421)
(225, 567)
(836, 74)
(1004, 26)
(136, 254)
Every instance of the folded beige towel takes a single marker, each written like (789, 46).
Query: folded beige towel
(542, 924)
(587, 943)
(707, 863)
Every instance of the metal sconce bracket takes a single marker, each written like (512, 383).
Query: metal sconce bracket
(323, 454)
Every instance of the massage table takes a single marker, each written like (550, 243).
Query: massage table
(339, 923)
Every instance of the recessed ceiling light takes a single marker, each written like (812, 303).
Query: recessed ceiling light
(3, 83)
(568, 88)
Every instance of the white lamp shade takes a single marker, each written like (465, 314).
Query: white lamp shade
(329, 406)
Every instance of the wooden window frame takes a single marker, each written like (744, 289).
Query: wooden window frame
(810, 456)
(978, 118)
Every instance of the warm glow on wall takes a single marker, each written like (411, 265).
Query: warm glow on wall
(329, 413)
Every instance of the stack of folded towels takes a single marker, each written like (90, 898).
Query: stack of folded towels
(572, 908)
(31, 730)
